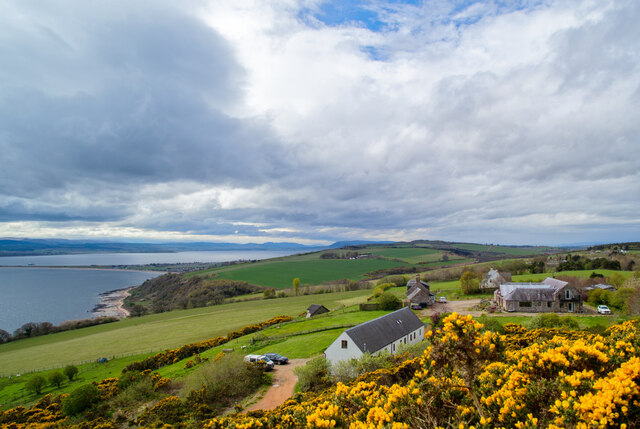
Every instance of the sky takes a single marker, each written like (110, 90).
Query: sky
(309, 121)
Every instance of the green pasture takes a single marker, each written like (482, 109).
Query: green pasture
(156, 332)
(13, 391)
(301, 338)
(411, 255)
(506, 250)
(280, 273)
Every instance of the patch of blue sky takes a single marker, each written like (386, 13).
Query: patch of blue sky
(337, 13)
(468, 12)
(374, 53)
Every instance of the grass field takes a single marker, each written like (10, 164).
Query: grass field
(280, 273)
(410, 255)
(155, 332)
(302, 338)
(505, 250)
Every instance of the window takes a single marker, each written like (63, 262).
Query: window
(549, 304)
(344, 344)
(568, 294)
(525, 304)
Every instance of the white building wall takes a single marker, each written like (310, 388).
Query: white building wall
(336, 353)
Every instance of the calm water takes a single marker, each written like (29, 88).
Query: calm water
(106, 259)
(54, 295)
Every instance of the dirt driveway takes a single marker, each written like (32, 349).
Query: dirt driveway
(284, 381)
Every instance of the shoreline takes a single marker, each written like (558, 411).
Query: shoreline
(90, 268)
(112, 303)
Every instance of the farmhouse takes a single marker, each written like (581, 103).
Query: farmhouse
(315, 309)
(384, 333)
(550, 295)
(419, 292)
(493, 279)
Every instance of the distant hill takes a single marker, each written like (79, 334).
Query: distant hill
(33, 247)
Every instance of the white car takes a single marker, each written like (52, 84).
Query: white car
(603, 309)
(442, 299)
(261, 359)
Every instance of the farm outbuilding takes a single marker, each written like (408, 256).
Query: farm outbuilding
(315, 309)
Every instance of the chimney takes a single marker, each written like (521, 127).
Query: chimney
(417, 279)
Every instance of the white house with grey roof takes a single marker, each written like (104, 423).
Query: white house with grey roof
(387, 332)
(550, 295)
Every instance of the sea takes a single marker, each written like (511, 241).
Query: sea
(31, 291)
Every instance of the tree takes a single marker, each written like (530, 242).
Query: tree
(389, 301)
(616, 279)
(56, 379)
(470, 282)
(269, 293)
(296, 285)
(80, 399)
(5, 337)
(138, 310)
(633, 303)
(70, 371)
(35, 384)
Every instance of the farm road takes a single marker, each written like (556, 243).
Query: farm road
(284, 382)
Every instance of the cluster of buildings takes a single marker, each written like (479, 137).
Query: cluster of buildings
(401, 327)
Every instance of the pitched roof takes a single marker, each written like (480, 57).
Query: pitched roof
(375, 334)
(313, 308)
(543, 291)
(418, 290)
(555, 283)
(412, 283)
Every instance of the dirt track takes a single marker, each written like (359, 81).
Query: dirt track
(284, 382)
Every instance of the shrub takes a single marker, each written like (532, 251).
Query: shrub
(70, 371)
(36, 384)
(56, 378)
(389, 301)
(314, 376)
(395, 280)
(470, 282)
(491, 324)
(223, 382)
(552, 320)
(80, 399)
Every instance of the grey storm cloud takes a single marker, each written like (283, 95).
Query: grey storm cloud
(487, 123)
(103, 98)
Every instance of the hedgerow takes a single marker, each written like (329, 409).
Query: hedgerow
(169, 357)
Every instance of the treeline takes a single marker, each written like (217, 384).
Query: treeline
(617, 246)
(174, 291)
(346, 255)
(36, 329)
(578, 263)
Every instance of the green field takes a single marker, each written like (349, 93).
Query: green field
(156, 332)
(505, 250)
(280, 273)
(411, 255)
(302, 338)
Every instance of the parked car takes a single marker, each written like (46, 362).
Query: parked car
(278, 359)
(442, 299)
(603, 309)
(416, 307)
(261, 360)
